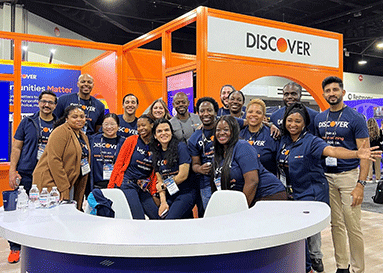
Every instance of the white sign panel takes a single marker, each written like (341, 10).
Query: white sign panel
(243, 39)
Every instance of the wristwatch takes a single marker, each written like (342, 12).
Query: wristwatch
(362, 182)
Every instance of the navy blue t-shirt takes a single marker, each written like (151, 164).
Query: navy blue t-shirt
(277, 118)
(245, 159)
(127, 129)
(166, 171)
(140, 166)
(104, 150)
(341, 128)
(93, 108)
(226, 112)
(265, 145)
(201, 144)
(46, 128)
(32, 130)
(301, 163)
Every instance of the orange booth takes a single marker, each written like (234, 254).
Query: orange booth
(230, 49)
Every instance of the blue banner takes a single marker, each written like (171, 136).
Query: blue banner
(4, 121)
(38, 79)
(369, 108)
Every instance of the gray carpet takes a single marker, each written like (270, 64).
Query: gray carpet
(368, 204)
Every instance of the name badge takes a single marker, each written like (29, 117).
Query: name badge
(84, 128)
(331, 161)
(40, 150)
(217, 182)
(85, 167)
(107, 171)
(171, 185)
(283, 179)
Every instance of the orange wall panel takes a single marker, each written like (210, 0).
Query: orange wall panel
(104, 74)
(144, 74)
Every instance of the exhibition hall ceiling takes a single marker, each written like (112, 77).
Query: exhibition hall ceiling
(120, 21)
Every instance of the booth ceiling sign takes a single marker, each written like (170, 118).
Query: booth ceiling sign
(249, 40)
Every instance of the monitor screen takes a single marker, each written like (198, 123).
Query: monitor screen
(182, 82)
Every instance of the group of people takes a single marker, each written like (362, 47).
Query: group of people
(166, 165)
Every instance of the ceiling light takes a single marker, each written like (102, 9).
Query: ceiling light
(379, 45)
(53, 51)
(362, 62)
(25, 48)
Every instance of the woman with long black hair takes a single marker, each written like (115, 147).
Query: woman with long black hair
(236, 166)
(171, 162)
(376, 139)
(133, 171)
(300, 162)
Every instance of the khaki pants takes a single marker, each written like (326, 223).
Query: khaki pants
(345, 220)
(376, 167)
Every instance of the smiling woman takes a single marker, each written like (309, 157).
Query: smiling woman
(105, 147)
(65, 161)
(172, 161)
(259, 136)
(300, 157)
(133, 171)
(158, 109)
(236, 166)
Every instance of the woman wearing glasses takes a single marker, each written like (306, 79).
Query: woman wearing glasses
(104, 149)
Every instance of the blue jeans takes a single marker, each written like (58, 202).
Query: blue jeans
(181, 204)
(205, 195)
(140, 202)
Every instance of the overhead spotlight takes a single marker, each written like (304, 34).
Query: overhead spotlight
(362, 62)
(52, 52)
(379, 45)
(24, 52)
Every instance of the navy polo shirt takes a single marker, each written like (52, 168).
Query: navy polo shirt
(93, 108)
(104, 150)
(127, 129)
(245, 159)
(277, 118)
(31, 131)
(342, 128)
(201, 144)
(166, 171)
(301, 162)
(265, 145)
(141, 162)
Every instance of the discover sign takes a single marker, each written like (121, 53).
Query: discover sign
(249, 40)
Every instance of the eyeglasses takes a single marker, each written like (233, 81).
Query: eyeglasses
(109, 125)
(47, 101)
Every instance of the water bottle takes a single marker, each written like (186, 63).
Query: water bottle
(44, 198)
(54, 197)
(22, 199)
(21, 187)
(34, 197)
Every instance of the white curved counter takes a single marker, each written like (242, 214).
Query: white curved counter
(66, 230)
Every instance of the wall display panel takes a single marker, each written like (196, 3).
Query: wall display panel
(38, 79)
(182, 82)
(372, 108)
(4, 121)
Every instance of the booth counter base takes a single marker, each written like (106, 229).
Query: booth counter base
(266, 238)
